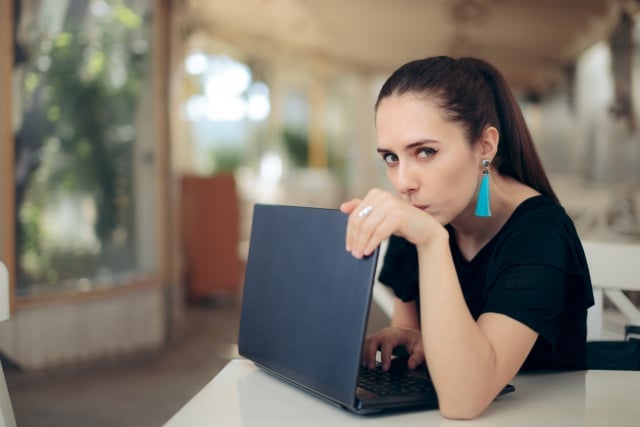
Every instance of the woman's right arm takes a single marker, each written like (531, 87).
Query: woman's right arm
(405, 314)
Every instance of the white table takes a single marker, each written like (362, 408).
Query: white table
(244, 395)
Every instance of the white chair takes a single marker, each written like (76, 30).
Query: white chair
(614, 268)
(7, 419)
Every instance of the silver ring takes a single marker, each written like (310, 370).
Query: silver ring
(365, 212)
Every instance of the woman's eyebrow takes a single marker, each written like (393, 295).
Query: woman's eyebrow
(410, 146)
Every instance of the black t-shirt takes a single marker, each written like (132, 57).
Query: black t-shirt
(534, 271)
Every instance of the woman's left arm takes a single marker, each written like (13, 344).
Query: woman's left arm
(469, 361)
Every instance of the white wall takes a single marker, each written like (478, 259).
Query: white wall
(58, 334)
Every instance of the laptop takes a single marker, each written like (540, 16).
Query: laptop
(305, 310)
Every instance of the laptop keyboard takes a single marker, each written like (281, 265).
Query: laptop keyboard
(387, 383)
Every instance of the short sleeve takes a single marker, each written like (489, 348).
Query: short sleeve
(533, 295)
(538, 279)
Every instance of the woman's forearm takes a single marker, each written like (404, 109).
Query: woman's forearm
(460, 356)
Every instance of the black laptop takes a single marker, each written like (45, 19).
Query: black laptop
(305, 310)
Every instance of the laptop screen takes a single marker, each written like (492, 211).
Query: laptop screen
(305, 299)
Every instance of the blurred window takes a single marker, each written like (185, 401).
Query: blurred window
(225, 109)
(83, 144)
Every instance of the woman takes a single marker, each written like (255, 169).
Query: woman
(487, 267)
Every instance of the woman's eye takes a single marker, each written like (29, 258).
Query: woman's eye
(389, 158)
(426, 152)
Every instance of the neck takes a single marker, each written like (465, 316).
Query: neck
(472, 232)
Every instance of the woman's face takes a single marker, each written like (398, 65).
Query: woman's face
(428, 159)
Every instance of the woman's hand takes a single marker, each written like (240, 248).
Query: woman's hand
(378, 216)
(389, 338)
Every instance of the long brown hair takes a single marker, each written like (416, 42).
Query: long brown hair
(473, 93)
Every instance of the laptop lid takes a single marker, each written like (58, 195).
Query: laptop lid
(305, 300)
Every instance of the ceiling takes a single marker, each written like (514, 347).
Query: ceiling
(532, 41)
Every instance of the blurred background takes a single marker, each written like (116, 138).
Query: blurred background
(136, 136)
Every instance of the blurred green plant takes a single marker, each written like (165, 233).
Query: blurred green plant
(226, 159)
(296, 142)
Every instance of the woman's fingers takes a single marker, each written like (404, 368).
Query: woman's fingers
(388, 339)
(364, 233)
(385, 355)
(417, 356)
(347, 207)
(368, 223)
(369, 351)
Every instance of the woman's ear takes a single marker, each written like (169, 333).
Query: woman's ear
(489, 143)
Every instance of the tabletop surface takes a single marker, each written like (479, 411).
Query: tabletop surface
(244, 395)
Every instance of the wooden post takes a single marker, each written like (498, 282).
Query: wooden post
(7, 149)
(317, 125)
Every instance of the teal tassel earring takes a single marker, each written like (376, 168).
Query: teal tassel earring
(482, 206)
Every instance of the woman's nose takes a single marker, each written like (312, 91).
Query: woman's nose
(406, 180)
